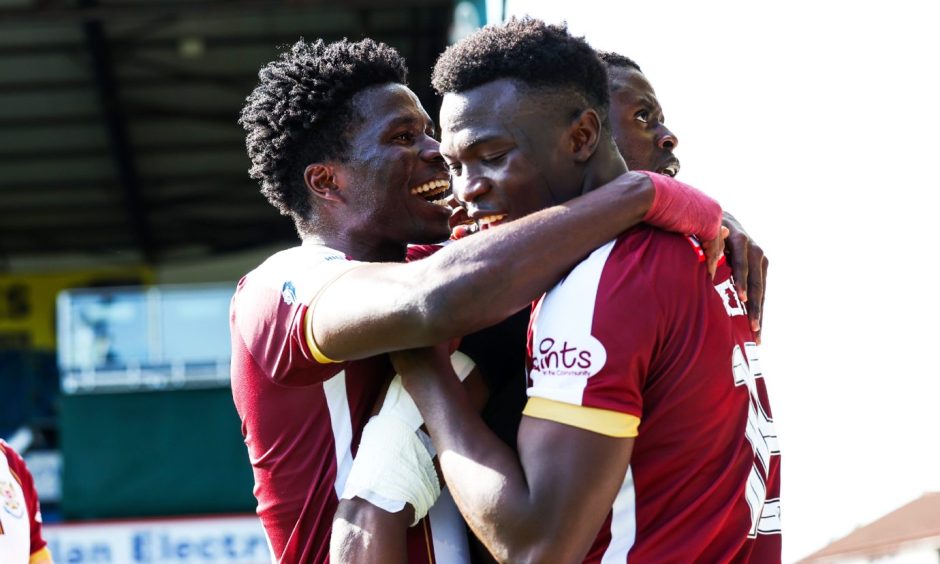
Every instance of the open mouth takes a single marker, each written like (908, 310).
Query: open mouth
(435, 191)
(672, 169)
(490, 221)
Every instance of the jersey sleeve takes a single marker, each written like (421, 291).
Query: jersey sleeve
(271, 313)
(592, 341)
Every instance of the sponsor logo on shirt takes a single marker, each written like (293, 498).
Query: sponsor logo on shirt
(569, 357)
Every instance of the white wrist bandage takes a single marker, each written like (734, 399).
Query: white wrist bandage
(393, 467)
(394, 464)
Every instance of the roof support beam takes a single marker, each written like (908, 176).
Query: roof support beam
(121, 150)
(130, 10)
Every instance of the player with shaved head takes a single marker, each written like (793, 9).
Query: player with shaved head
(647, 435)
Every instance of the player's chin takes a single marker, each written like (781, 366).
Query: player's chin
(431, 232)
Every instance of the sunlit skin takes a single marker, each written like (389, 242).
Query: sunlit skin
(509, 158)
(638, 124)
(392, 151)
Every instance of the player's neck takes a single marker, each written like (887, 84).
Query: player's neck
(605, 165)
(359, 248)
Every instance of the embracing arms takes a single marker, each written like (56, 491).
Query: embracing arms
(478, 281)
(749, 269)
(545, 504)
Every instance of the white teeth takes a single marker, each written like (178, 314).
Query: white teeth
(431, 188)
(490, 219)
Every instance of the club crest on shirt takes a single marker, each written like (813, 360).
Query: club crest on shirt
(571, 357)
(9, 499)
(288, 293)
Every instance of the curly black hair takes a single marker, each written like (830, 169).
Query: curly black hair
(612, 59)
(300, 112)
(529, 50)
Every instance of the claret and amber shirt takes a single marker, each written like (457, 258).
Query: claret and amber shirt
(302, 414)
(638, 341)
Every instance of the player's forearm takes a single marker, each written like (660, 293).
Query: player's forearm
(483, 279)
(363, 533)
(474, 282)
(483, 475)
(480, 280)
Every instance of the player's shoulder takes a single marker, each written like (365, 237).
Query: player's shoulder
(14, 460)
(287, 280)
(657, 248)
(292, 268)
(295, 259)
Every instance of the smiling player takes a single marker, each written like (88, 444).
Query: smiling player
(343, 147)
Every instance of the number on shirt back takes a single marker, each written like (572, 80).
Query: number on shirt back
(765, 514)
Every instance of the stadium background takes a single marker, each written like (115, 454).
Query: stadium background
(121, 166)
(123, 183)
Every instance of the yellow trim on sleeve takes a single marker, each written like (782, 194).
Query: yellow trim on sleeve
(602, 421)
(308, 317)
(311, 344)
(41, 555)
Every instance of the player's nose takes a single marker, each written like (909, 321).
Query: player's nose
(473, 188)
(667, 139)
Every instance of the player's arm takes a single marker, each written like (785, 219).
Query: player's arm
(544, 505)
(749, 267)
(480, 280)
(364, 534)
(363, 531)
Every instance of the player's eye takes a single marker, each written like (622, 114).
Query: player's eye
(493, 159)
(642, 115)
(404, 137)
(454, 168)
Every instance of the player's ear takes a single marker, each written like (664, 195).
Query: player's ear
(585, 134)
(320, 179)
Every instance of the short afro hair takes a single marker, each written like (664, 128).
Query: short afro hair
(612, 59)
(528, 50)
(300, 113)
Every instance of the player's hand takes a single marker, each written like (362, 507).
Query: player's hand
(714, 249)
(749, 266)
(460, 223)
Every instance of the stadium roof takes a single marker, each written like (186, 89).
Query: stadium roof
(118, 118)
(916, 522)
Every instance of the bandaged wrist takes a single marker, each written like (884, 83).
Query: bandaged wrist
(394, 464)
(680, 208)
(393, 467)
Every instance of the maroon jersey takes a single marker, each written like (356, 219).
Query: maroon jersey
(638, 341)
(302, 415)
(20, 521)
